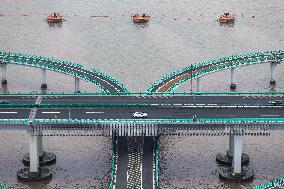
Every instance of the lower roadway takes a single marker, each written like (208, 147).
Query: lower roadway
(153, 113)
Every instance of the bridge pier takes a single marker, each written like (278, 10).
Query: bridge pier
(227, 158)
(198, 84)
(233, 85)
(77, 85)
(34, 172)
(43, 79)
(4, 73)
(45, 158)
(237, 172)
(272, 72)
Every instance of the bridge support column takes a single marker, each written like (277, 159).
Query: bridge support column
(34, 172)
(233, 85)
(237, 152)
(272, 73)
(227, 158)
(43, 79)
(198, 84)
(77, 85)
(4, 73)
(237, 172)
(45, 158)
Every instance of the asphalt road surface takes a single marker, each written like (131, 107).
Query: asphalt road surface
(158, 99)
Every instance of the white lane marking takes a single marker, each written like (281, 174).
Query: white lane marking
(8, 112)
(270, 115)
(94, 112)
(50, 112)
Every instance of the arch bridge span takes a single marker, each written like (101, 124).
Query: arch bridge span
(177, 78)
(104, 82)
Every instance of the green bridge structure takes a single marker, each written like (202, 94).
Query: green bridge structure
(175, 79)
(104, 82)
(3, 186)
(138, 132)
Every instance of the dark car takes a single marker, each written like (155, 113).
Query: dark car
(4, 102)
(275, 103)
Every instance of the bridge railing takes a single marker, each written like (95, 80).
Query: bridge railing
(2, 186)
(113, 164)
(185, 120)
(271, 184)
(157, 163)
(139, 93)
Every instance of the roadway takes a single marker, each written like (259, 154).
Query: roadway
(147, 99)
(124, 157)
(154, 112)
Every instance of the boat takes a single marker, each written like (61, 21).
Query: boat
(226, 18)
(55, 18)
(140, 18)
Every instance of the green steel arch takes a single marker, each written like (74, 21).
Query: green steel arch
(106, 83)
(181, 76)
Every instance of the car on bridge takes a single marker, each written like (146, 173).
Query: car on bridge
(4, 102)
(275, 103)
(140, 115)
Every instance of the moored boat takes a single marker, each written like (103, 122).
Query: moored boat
(55, 18)
(226, 18)
(140, 18)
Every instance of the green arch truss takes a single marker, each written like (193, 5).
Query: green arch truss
(106, 83)
(217, 65)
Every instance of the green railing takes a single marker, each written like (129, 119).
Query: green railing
(271, 184)
(185, 120)
(157, 163)
(113, 164)
(2, 186)
(80, 105)
(218, 65)
(139, 93)
(57, 65)
(240, 120)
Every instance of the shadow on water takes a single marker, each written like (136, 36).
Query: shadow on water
(140, 25)
(55, 25)
(228, 24)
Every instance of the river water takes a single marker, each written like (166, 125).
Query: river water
(180, 33)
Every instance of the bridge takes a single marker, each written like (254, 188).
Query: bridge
(135, 150)
(111, 115)
(103, 81)
(177, 78)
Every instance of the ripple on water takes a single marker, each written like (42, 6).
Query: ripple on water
(82, 162)
(189, 162)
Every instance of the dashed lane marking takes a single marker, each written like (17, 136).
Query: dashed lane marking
(94, 112)
(50, 112)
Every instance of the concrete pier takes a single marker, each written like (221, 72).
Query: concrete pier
(43, 79)
(272, 73)
(3, 67)
(45, 158)
(236, 173)
(198, 84)
(77, 85)
(227, 158)
(233, 85)
(34, 173)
